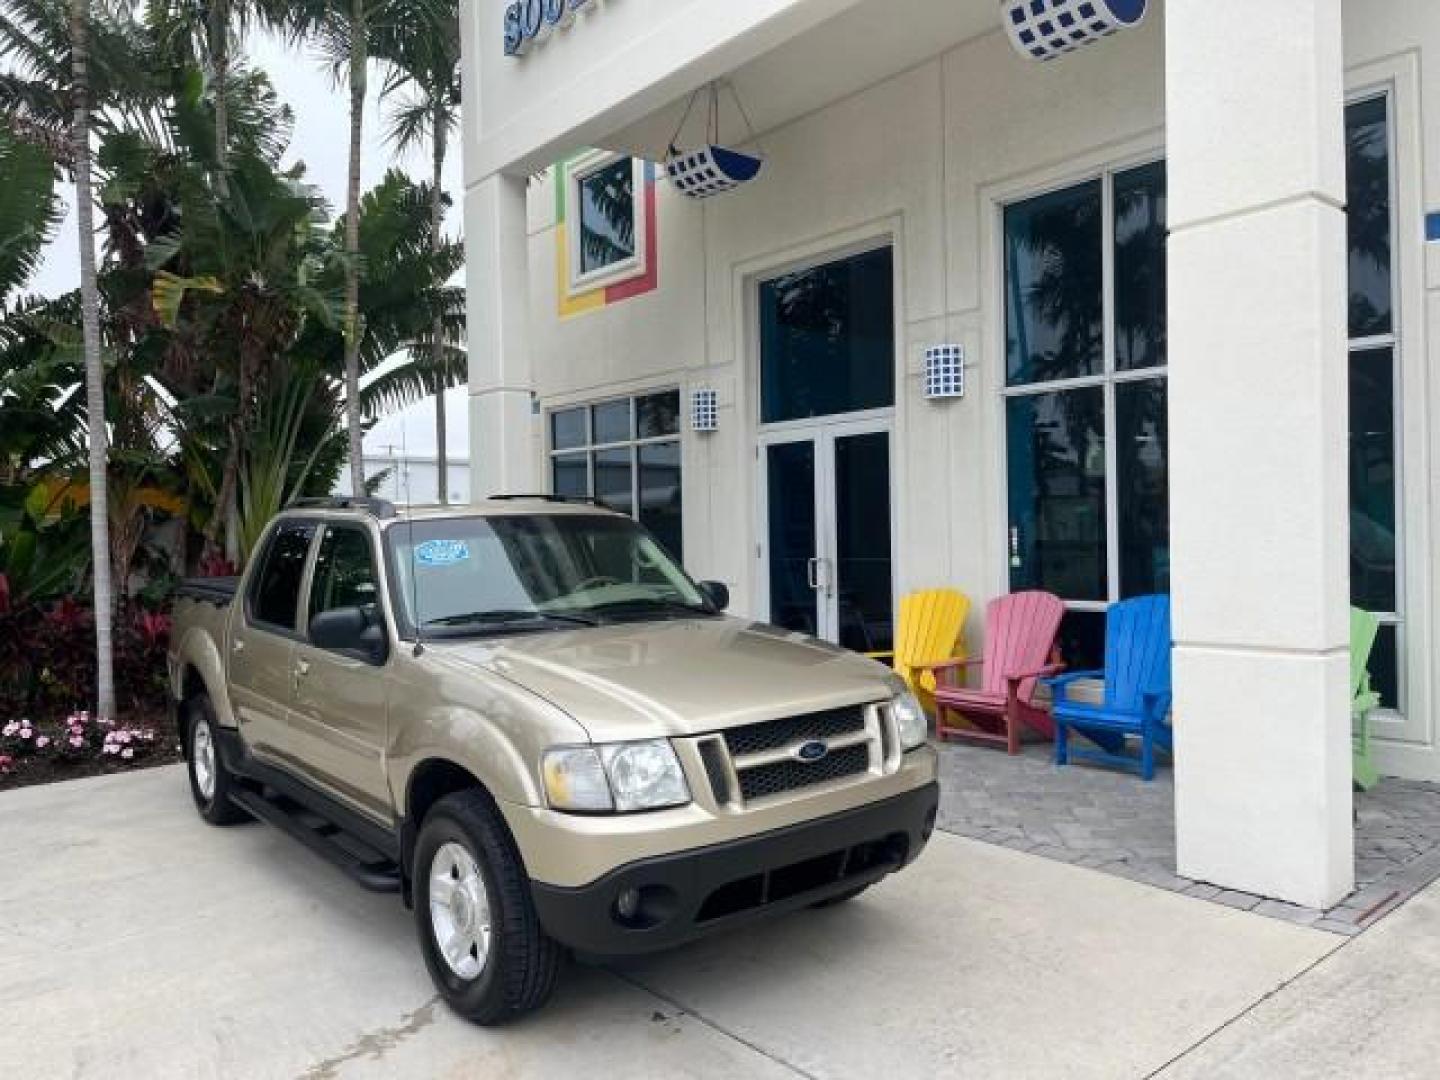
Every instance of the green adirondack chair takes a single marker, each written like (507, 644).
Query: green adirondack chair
(1363, 629)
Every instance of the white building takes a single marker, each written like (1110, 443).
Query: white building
(1140, 247)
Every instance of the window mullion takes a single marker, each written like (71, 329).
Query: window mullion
(1112, 487)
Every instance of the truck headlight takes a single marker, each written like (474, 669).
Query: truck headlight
(619, 777)
(910, 720)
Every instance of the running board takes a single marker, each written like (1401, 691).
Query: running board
(367, 867)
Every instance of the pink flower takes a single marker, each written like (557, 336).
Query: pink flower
(127, 754)
(10, 729)
(76, 741)
(26, 732)
(110, 749)
(42, 742)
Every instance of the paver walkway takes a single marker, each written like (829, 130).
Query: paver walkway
(1109, 820)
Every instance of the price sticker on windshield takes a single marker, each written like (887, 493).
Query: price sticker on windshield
(442, 552)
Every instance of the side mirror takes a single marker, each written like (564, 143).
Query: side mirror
(349, 630)
(717, 592)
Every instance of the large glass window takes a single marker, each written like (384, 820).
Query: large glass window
(827, 339)
(625, 454)
(1085, 409)
(1374, 354)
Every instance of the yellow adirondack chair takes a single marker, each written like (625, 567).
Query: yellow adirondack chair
(930, 630)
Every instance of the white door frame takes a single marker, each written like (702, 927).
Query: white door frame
(822, 433)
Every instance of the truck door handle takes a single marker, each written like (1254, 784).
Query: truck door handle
(298, 673)
(238, 646)
(812, 573)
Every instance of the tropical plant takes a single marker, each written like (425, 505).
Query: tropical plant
(424, 84)
(29, 211)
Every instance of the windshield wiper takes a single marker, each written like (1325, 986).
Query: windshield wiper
(502, 617)
(655, 603)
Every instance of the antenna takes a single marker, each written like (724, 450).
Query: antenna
(410, 528)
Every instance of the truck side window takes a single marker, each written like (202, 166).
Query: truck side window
(344, 573)
(276, 595)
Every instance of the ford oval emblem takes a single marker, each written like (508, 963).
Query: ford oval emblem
(812, 752)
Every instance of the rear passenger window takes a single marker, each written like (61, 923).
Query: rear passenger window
(277, 590)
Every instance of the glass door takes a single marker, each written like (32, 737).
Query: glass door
(827, 533)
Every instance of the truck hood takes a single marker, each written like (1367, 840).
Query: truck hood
(681, 677)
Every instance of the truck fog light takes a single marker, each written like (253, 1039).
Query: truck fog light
(627, 905)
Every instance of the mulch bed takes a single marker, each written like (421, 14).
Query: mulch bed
(31, 771)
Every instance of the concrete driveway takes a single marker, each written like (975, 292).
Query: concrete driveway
(136, 941)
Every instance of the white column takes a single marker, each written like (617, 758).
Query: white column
(1258, 436)
(498, 289)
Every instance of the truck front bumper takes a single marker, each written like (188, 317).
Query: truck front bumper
(660, 902)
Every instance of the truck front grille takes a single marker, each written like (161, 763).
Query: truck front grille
(775, 734)
(783, 776)
(766, 756)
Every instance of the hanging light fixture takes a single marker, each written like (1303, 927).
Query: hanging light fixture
(710, 169)
(1045, 29)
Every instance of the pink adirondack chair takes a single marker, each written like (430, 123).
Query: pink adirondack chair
(1020, 634)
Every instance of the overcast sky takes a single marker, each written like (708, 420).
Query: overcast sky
(321, 141)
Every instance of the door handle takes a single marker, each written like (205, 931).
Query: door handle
(237, 646)
(812, 573)
(298, 673)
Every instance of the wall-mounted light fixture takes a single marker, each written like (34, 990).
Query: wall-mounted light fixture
(944, 372)
(704, 410)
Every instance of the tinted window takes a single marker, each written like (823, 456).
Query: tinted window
(613, 485)
(1054, 281)
(344, 573)
(1056, 447)
(1140, 267)
(1367, 137)
(611, 422)
(1372, 480)
(660, 495)
(827, 339)
(1142, 452)
(658, 414)
(276, 595)
(567, 429)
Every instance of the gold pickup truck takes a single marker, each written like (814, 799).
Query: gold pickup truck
(526, 718)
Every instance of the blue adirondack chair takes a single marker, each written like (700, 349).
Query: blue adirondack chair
(1137, 691)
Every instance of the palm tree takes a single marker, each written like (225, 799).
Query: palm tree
(206, 31)
(94, 369)
(426, 58)
(346, 31)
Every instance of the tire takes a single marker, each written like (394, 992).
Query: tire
(842, 898)
(210, 782)
(504, 965)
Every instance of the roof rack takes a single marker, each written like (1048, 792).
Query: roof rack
(547, 498)
(380, 508)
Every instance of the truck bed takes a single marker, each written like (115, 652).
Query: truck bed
(213, 590)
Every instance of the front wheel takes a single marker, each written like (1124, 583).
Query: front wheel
(210, 782)
(479, 933)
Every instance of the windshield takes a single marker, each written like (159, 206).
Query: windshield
(470, 575)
